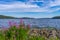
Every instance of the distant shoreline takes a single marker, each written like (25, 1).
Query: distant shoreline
(10, 17)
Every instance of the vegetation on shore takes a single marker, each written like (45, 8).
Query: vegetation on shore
(56, 17)
(4, 17)
(10, 17)
(22, 32)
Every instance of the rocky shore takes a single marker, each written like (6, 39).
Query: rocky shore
(46, 32)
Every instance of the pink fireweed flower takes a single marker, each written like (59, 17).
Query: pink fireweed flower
(28, 26)
(17, 26)
(3, 27)
(21, 21)
(10, 23)
(14, 24)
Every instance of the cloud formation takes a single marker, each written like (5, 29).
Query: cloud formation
(18, 6)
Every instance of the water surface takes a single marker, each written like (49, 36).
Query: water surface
(37, 22)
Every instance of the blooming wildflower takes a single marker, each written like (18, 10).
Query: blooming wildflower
(21, 21)
(3, 27)
(10, 23)
(28, 26)
(14, 24)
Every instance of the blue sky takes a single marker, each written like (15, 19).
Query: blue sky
(30, 8)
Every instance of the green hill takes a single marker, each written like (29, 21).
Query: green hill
(8, 17)
(56, 17)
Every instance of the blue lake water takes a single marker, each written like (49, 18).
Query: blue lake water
(36, 22)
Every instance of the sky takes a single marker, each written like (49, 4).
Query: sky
(30, 8)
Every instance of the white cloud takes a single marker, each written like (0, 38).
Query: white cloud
(54, 4)
(16, 5)
(57, 2)
(22, 7)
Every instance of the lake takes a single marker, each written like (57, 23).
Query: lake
(33, 22)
